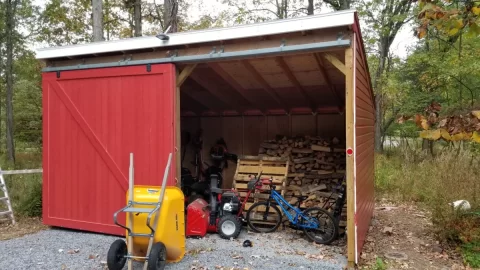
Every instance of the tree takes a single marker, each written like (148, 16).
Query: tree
(137, 17)
(339, 4)
(258, 11)
(97, 7)
(310, 7)
(385, 18)
(65, 22)
(11, 9)
(170, 16)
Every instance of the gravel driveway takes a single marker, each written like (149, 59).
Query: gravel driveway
(65, 249)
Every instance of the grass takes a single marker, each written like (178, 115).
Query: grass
(25, 190)
(434, 182)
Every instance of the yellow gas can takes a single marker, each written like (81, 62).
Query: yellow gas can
(170, 229)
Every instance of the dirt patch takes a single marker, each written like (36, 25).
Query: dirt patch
(22, 227)
(401, 237)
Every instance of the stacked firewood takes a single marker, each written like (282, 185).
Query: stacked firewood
(317, 166)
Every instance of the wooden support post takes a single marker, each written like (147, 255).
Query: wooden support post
(350, 133)
(337, 63)
(184, 74)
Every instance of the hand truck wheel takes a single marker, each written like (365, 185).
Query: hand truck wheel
(116, 255)
(157, 258)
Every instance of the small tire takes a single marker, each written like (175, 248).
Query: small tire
(278, 217)
(116, 255)
(331, 226)
(229, 226)
(158, 257)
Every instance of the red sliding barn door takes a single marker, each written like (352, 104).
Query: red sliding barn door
(92, 120)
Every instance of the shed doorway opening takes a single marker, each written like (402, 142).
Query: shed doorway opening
(284, 106)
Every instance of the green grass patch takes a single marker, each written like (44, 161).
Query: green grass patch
(471, 254)
(25, 190)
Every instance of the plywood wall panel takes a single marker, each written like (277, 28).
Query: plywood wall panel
(278, 125)
(233, 135)
(255, 132)
(331, 125)
(304, 125)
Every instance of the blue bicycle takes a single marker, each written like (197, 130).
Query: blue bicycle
(265, 217)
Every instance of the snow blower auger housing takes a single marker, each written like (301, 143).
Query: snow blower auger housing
(154, 244)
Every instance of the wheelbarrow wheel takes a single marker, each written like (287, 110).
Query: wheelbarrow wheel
(116, 255)
(158, 257)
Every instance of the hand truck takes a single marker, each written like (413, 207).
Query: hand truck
(121, 252)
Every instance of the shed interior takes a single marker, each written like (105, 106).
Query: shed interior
(249, 101)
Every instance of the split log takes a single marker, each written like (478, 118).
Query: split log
(269, 146)
(320, 148)
(302, 151)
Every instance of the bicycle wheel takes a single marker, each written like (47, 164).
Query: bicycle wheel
(327, 230)
(263, 218)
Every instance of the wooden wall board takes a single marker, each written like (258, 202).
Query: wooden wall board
(304, 125)
(278, 125)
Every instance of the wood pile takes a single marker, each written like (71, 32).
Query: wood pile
(317, 167)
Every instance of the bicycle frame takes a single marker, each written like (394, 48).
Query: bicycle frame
(308, 222)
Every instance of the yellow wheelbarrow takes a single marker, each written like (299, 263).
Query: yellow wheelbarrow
(154, 244)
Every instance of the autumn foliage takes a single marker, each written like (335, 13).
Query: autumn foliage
(449, 17)
(460, 127)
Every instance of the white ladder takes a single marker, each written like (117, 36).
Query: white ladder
(6, 200)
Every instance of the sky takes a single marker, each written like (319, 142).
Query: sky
(402, 42)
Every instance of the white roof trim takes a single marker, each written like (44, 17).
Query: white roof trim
(327, 20)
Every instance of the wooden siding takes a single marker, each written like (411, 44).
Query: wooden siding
(364, 146)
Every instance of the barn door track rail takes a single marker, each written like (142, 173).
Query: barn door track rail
(215, 55)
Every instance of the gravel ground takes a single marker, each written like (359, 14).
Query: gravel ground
(64, 249)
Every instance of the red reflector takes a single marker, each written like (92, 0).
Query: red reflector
(349, 151)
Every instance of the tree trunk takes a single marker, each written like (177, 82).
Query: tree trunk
(310, 7)
(137, 17)
(383, 48)
(170, 15)
(378, 124)
(9, 30)
(97, 7)
(345, 4)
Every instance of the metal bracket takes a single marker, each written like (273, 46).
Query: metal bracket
(340, 36)
(214, 50)
(58, 74)
(283, 42)
(149, 67)
(172, 55)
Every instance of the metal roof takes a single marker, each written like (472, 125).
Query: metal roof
(320, 21)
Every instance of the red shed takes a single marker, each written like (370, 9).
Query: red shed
(247, 83)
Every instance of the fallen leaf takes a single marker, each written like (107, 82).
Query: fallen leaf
(91, 257)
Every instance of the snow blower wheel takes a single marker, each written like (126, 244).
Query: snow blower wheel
(229, 226)
(158, 257)
(116, 255)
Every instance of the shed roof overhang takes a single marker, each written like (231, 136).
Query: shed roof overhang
(315, 22)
